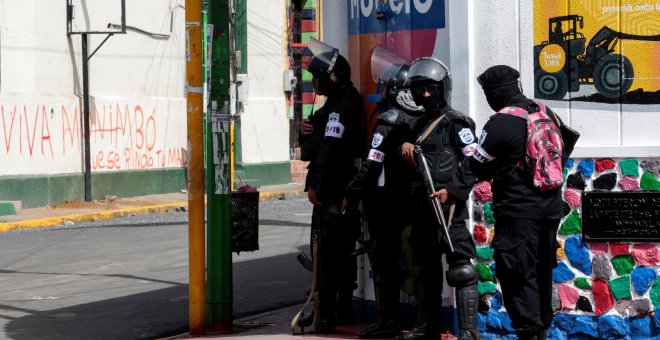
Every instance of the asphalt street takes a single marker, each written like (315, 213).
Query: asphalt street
(128, 278)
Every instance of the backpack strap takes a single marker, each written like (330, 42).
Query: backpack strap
(543, 108)
(522, 113)
(515, 111)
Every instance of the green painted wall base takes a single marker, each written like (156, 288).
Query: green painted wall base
(7, 208)
(259, 174)
(40, 191)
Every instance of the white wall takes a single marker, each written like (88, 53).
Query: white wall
(495, 41)
(137, 104)
(457, 33)
(335, 25)
(264, 122)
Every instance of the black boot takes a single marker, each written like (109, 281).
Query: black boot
(323, 325)
(344, 308)
(421, 332)
(542, 335)
(467, 305)
(527, 337)
(306, 320)
(380, 329)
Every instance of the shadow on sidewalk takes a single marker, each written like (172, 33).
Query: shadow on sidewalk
(259, 285)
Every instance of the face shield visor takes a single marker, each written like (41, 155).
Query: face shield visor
(385, 65)
(427, 68)
(324, 53)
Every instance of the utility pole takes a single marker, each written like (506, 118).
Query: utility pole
(194, 104)
(71, 30)
(218, 165)
(86, 114)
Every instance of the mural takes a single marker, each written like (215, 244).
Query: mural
(597, 50)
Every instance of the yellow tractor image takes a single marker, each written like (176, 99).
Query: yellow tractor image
(563, 63)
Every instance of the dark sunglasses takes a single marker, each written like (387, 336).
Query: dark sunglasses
(430, 88)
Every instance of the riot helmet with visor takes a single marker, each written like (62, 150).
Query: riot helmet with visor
(430, 83)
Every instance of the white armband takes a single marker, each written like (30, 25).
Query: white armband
(376, 156)
(482, 156)
(469, 150)
(334, 128)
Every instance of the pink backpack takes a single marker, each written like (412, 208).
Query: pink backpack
(544, 148)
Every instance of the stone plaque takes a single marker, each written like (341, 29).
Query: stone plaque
(621, 216)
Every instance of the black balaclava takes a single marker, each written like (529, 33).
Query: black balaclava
(501, 87)
(432, 103)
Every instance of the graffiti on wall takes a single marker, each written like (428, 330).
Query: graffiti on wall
(122, 137)
(591, 50)
(127, 138)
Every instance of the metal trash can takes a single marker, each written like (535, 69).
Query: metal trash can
(244, 221)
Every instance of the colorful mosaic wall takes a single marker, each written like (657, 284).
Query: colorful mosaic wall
(307, 17)
(601, 290)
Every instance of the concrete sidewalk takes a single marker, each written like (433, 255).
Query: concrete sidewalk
(276, 325)
(113, 207)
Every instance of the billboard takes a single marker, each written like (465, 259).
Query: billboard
(597, 50)
(408, 28)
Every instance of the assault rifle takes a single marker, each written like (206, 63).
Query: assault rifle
(435, 201)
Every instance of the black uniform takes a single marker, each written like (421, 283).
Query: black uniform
(445, 148)
(385, 179)
(526, 219)
(331, 150)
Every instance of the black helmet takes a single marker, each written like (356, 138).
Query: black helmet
(327, 63)
(430, 73)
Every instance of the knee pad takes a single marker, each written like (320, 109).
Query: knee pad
(462, 275)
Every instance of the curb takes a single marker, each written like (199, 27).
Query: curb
(96, 216)
(118, 213)
(280, 195)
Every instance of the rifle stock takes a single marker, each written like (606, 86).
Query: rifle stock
(435, 202)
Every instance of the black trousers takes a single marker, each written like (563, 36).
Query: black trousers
(387, 215)
(337, 268)
(427, 252)
(525, 254)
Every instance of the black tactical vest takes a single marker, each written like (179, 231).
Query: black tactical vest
(439, 151)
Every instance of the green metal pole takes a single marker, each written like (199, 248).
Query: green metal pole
(219, 252)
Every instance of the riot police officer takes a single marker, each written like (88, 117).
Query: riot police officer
(330, 142)
(446, 137)
(383, 181)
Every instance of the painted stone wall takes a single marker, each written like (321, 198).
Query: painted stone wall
(602, 290)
